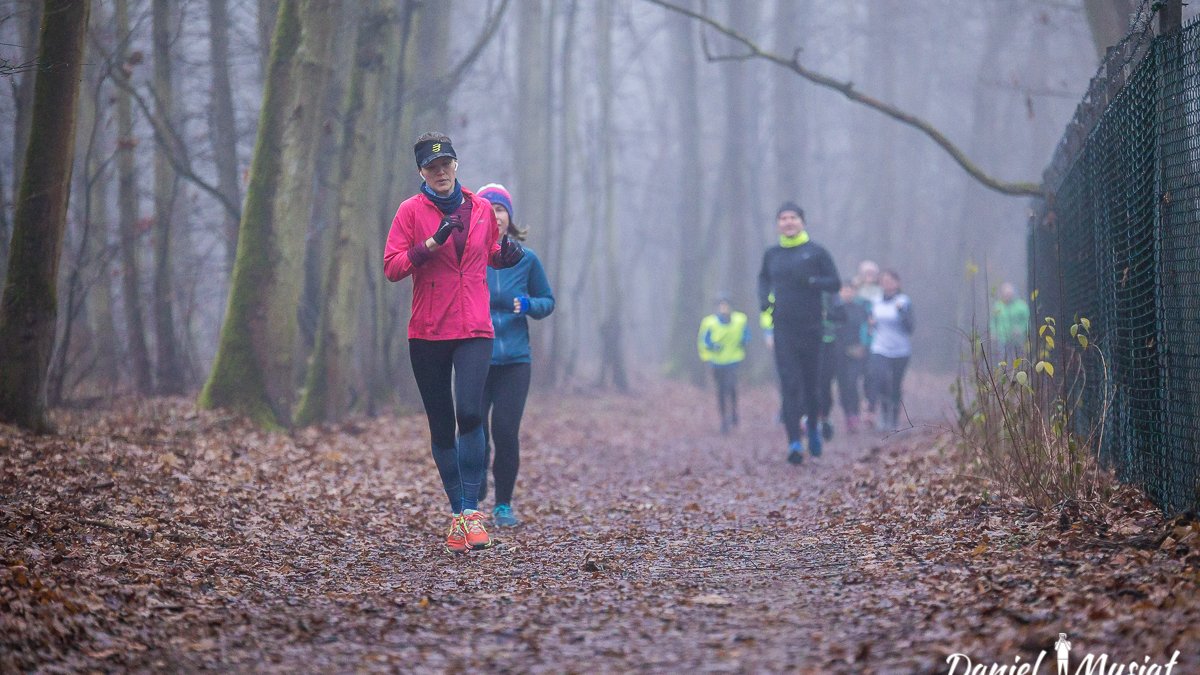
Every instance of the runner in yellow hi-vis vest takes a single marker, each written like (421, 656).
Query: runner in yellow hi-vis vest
(722, 343)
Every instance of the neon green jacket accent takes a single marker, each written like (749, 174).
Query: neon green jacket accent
(723, 343)
(1010, 322)
(766, 320)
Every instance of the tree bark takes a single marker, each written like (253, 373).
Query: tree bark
(302, 136)
(612, 366)
(741, 195)
(127, 205)
(87, 342)
(789, 107)
(237, 381)
(532, 188)
(551, 372)
(689, 279)
(268, 10)
(23, 101)
(169, 371)
(29, 309)
(330, 385)
(223, 121)
(1108, 21)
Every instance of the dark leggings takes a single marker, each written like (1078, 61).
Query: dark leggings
(849, 375)
(826, 370)
(797, 358)
(725, 375)
(504, 400)
(886, 378)
(436, 364)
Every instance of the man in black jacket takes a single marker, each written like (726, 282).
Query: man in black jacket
(796, 273)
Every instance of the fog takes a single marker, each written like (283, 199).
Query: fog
(648, 173)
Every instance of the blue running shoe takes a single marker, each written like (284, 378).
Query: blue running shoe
(795, 452)
(503, 516)
(814, 441)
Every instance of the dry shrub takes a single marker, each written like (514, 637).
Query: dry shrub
(1018, 425)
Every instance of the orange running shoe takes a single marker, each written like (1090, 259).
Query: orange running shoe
(477, 534)
(456, 538)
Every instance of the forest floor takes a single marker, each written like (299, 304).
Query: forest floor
(153, 537)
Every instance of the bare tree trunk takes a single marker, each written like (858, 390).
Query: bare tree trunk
(127, 201)
(329, 386)
(532, 189)
(550, 373)
(86, 326)
(267, 11)
(249, 338)
(29, 27)
(689, 280)
(29, 309)
(223, 122)
(612, 365)
(387, 313)
(169, 371)
(789, 108)
(740, 202)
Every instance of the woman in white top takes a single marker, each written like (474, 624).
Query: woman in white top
(891, 346)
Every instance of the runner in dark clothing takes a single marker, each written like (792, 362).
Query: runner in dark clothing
(797, 272)
(827, 369)
(853, 341)
(518, 293)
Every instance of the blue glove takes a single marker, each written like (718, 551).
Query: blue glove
(521, 304)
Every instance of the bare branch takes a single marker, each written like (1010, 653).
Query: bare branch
(1019, 189)
(448, 82)
(172, 145)
(476, 50)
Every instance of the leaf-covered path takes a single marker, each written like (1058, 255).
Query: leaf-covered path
(153, 537)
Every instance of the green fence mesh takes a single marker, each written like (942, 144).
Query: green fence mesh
(1117, 240)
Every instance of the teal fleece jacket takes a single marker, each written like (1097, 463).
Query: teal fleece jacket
(526, 279)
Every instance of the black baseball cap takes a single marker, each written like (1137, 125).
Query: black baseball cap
(427, 151)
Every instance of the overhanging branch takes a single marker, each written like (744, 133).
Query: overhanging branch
(1018, 189)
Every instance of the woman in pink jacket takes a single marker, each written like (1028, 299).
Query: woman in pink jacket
(445, 237)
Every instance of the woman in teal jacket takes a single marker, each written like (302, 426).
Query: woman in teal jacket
(518, 293)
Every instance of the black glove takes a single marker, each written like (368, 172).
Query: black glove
(448, 225)
(510, 252)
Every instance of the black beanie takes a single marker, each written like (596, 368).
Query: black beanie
(790, 206)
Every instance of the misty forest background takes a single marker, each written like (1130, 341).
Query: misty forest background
(644, 156)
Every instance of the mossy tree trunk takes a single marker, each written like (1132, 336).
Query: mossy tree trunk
(29, 309)
(237, 381)
(302, 134)
(330, 383)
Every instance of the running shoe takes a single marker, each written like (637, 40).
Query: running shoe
(456, 538)
(503, 516)
(795, 452)
(814, 442)
(477, 534)
(826, 430)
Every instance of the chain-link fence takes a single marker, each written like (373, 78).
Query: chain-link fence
(1118, 241)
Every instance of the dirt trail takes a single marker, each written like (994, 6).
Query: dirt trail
(156, 538)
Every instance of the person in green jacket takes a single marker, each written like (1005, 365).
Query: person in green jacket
(1010, 322)
(722, 343)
